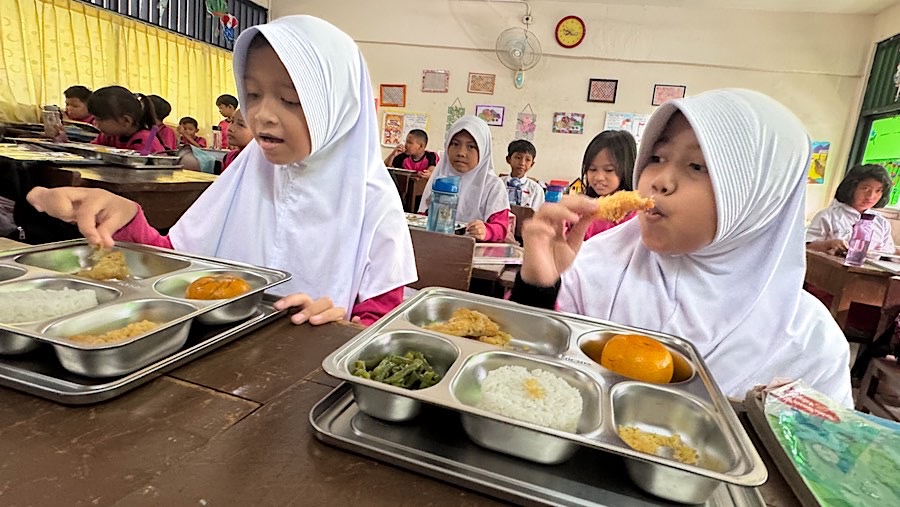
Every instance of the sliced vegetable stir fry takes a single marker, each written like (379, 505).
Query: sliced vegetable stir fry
(410, 371)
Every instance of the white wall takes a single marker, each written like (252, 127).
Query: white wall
(813, 63)
(887, 24)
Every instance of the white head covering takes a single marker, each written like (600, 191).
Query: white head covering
(739, 300)
(481, 192)
(334, 220)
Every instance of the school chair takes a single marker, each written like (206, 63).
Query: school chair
(879, 391)
(442, 260)
(522, 214)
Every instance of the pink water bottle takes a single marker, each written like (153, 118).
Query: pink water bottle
(859, 241)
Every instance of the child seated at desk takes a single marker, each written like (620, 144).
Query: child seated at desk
(483, 203)
(125, 120)
(227, 105)
(865, 187)
(165, 133)
(412, 155)
(76, 104)
(522, 191)
(239, 136)
(188, 128)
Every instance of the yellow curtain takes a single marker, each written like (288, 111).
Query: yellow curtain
(48, 45)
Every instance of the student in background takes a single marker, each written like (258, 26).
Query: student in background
(413, 156)
(76, 104)
(718, 261)
(309, 195)
(125, 120)
(188, 128)
(483, 204)
(608, 167)
(239, 136)
(522, 191)
(865, 187)
(227, 105)
(164, 133)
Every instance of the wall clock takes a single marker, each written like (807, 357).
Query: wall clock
(570, 31)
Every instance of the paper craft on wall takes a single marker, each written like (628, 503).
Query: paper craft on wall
(817, 162)
(435, 81)
(481, 83)
(393, 95)
(396, 124)
(602, 90)
(526, 123)
(663, 93)
(568, 123)
(492, 115)
(634, 123)
(455, 111)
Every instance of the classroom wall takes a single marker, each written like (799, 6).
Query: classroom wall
(887, 23)
(813, 63)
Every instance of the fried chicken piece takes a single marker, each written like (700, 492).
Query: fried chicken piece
(468, 323)
(614, 207)
(108, 265)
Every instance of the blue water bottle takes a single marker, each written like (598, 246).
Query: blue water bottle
(555, 190)
(442, 210)
(514, 190)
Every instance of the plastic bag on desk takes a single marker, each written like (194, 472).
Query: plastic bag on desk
(845, 457)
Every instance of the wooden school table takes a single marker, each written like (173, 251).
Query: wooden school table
(409, 186)
(867, 285)
(230, 428)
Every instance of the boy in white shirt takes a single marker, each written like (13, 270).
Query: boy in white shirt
(522, 191)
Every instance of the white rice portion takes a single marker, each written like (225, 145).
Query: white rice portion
(39, 304)
(546, 400)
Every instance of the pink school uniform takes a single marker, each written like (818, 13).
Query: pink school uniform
(136, 142)
(223, 127)
(598, 226)
(229, 158)
(199, 140)
(404, 161)
(166, 135)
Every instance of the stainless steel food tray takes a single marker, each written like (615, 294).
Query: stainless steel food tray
(39, 373)
(436, 445)
(115, 156)
(154, 291)
(692, 406)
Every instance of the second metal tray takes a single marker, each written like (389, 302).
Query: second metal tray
(436, 445)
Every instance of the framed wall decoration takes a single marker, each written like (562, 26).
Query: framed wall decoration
(393, 95)
(482, 83)
(492, 115)
(602, 90)
(568, 123)
(435, 81)
(663, 93)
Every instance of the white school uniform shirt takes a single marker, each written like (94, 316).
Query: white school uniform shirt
(837, 221)
(738, 300)
(334, 220)
(532, 192)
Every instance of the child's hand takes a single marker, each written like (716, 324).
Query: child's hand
(477, 229)
(98, 213)
(180, 130)
(315, 311)
(424, 175)
(549, 248)
(400, 148)
(837, 247)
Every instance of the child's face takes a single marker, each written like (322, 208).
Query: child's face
(238, 133)
(190, 130)
(273, 110)
(684, 219)
(463, 152)
(519, 164)
(414, 148)
(867, 194)
(76, 109)
(226, 110)
(601, 175)
(124, 126)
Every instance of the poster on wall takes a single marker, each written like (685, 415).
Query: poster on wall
(526, 124)
(568, 123)
(634, 123)
(817, 162)
(396, 124)
(492, 115)
(455, 111)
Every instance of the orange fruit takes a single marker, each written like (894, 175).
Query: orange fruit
(638, 357)
(217, 287)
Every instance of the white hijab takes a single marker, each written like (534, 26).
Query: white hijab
(481, 192)
(739, 300)
(335, 220)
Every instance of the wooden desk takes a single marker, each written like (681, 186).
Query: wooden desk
(410, 188)
(164, 194)
(865, 285)
(231, 428)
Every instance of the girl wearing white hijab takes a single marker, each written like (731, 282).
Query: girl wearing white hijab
(483, 201)
(719, 261)
(309, 194)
